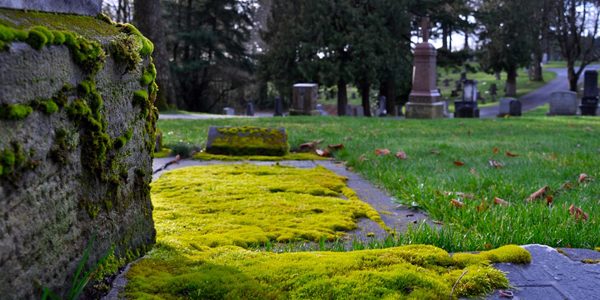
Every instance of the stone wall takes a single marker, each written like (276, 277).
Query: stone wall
(76, 133)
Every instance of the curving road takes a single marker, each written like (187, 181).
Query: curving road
(540, 96)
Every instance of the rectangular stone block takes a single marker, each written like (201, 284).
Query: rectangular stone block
(80, 7)
(242, 141)
(563, 103)
(304, 101)
(504, 108)
(433, 110)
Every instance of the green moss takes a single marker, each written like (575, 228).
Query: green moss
(289, 156)
(126, 49)
(121, 141)
(147, 46)
(15, 112)
(140, 98)
(149, 75)
(13, 160)
(247, 141)
(48, 106)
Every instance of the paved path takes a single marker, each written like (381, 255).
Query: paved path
(540, 96)
(552, 275)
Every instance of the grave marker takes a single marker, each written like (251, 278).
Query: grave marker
(563, 103)
(247, 141)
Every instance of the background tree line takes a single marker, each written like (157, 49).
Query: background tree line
(216, 53)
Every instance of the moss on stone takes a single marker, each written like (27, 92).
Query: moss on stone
(289, 156)
(13, 160)
(126, 49)
(247, 141)
(149, 75)
(147, 46)
(15, 112)
(203, 215)
(47, 106)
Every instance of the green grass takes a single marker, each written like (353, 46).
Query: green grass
(484, 80)
(551, 151)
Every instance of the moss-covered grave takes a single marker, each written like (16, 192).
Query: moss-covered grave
(247, 141)
(212, 221)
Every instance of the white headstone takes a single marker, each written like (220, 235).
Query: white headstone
(563, 103)
(80, 7)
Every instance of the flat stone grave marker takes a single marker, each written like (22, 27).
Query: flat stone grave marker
(563, 103)
(229, 111)
(240, 141)
(504, 108)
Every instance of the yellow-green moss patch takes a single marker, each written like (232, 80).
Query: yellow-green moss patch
(251, 205)
(204, 214)
(289, 156)
(247, 140)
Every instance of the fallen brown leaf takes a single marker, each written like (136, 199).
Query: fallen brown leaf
(567, 185)
(401, 155)
(381, 152)
(310, 145)
(495, 164)
(457, 203)
(336, 147)
(482, 207)
(578, 213)
(362, 158)
(495, 150)
(549, 199)
(583, 178)
(323, 152)
(501, 202)
(459, 163)
(510, 154)
(538, 194)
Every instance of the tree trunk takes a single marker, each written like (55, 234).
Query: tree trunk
(537, 74)
(342, 98)
(445, 35)
(511, 82)
(148, 19)
(573, 78)
(365, 91)
(388, 89)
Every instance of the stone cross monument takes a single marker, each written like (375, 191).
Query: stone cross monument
(424, 101)
(80, 7)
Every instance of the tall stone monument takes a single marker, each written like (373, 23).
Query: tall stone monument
(424, 101)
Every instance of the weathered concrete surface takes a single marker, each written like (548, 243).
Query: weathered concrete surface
(552, 275)
(81, 7)
(49, 210)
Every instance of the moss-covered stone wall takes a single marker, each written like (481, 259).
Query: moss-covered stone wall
(75, 147)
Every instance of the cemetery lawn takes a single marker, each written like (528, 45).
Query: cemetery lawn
(453, 156)
(207, 218)
(484, 81)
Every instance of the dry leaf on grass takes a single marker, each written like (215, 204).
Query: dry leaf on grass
(457, 203)
(459, 163)
(578, 213)
(381, 152)
(538, 194)
(401, 155)
(501, 202)
(495, 150)
(336, 147)
(460, 194)
(362, 158)
(310, 145)
(323, 152)
(549, 199)
(583, 178)
(495, 164)
(474, 171)
(510, 154)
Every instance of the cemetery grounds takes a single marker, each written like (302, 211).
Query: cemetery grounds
(484, 184)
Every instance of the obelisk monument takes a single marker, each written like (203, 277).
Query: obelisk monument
(424, 101)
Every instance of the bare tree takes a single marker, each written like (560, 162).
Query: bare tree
(576, 28)
(148, 19)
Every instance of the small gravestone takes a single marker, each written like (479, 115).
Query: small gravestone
(358, 111)
(242, 141)
(278, 107)
(249, 108)
(589, 102)
(80, 7)
(515, 108)
(563, 103)
(229, 111)
(505, 106)
(304, 100)
(382, 106)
